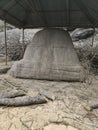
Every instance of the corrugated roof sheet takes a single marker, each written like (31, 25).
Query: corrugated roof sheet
(50, 13)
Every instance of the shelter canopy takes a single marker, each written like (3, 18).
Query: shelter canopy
(50, 13)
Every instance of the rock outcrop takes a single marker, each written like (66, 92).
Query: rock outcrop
(50, 56)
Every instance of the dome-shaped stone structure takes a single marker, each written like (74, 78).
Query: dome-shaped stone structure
(51, 56)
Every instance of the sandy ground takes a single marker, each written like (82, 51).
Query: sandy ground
(69, 109)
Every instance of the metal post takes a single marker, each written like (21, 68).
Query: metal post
(5, 43)
(23, 45)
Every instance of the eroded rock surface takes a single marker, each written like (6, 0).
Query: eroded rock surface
(50, 56)
(69, 107)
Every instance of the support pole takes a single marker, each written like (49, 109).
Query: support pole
(93, 38)
(23, 45)
(68, 12)
(5, 43)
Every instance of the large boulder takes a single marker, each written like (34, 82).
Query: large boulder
(82, 33)
(50, 56)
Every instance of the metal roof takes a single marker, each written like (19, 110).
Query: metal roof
(50, 13)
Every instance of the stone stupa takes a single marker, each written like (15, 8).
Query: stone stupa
(51, 56)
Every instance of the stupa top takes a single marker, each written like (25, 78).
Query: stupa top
(50, 13)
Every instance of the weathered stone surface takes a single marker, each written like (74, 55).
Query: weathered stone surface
(82, 33)
(70, 108)
(4, 68)
(58, 127)
(50, 56)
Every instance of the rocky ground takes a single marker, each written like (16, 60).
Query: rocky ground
(68, 104)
